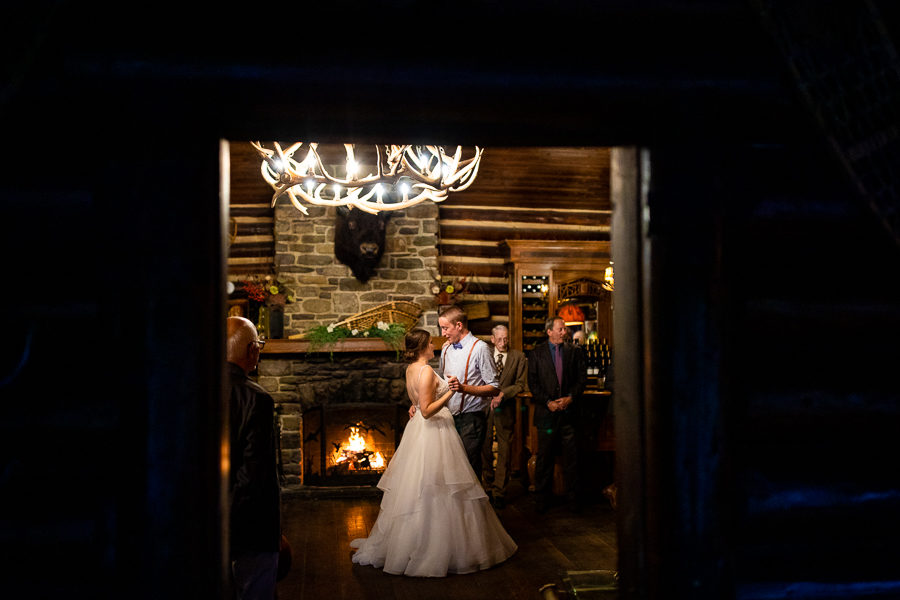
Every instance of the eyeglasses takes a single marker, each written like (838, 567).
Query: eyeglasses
(260, 343)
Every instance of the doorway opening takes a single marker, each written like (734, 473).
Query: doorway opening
(481, 241)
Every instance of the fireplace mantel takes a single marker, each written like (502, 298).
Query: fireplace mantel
(289, 346)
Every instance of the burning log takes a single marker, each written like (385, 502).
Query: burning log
(354, 455)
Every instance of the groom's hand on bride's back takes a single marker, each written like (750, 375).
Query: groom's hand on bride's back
(412, 411)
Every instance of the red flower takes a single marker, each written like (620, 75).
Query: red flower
(255, 291)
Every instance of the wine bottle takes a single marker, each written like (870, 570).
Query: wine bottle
(604, 359)
(588, 358)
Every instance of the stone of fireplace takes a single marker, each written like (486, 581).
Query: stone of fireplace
(308, 385)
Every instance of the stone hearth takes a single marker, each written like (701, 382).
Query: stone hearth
(317, 384)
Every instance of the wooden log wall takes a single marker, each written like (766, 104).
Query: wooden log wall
(251, 226)
(531, 193)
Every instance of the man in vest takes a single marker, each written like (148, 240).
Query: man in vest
(468, 366)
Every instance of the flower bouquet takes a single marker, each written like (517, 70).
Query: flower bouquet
(268, 290)
(450, 290)
(267, 297)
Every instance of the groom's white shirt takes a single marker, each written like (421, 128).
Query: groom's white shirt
(481, 372)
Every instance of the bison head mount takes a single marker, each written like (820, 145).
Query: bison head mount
(359, 240)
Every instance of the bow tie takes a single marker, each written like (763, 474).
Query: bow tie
(457, 346)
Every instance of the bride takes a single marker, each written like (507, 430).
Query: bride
(435, 517)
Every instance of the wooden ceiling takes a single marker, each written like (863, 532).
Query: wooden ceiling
(540, 193)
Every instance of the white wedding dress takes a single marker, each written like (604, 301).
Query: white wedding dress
(435, 517)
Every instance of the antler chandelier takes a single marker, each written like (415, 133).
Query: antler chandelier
(403, 176)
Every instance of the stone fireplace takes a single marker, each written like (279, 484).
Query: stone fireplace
(320, 398)
(318, 395)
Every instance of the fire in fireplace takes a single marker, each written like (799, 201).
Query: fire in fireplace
(350, 444)
(357, 452)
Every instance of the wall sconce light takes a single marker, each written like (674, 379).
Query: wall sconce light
(608, 279)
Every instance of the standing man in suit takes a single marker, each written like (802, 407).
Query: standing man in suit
(511, 368)
(556, 377)
(468, 367)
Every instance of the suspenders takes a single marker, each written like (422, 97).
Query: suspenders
(462, 400)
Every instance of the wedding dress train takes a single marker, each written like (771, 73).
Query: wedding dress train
(435, 517)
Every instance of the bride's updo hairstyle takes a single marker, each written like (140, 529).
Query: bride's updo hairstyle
(416, 343)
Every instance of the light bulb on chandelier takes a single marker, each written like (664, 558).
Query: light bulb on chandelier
(402, 176)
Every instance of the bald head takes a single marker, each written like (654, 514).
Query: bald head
(240, 349)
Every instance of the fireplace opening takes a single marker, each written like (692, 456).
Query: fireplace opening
(350, 444)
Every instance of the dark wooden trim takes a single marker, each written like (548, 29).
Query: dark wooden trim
(521, 250)
(631, 461)
(460, 267)
(477, 251)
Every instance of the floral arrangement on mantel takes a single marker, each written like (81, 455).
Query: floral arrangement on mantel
(389, 321)
(326, 336)
(267, 290)
(448, 291)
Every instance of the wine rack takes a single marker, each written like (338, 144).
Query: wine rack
(535, 309)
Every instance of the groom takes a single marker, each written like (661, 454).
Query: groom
(468, 366)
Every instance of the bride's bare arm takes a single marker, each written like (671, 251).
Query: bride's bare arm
(427, 402)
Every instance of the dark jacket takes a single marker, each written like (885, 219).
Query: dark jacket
(544, 386)
(254, 490)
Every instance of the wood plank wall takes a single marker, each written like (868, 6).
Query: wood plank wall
(531, 193)
(252, 218)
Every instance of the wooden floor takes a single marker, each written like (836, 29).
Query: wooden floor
(550, 545)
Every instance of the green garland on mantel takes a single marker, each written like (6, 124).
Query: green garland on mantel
(326, 336)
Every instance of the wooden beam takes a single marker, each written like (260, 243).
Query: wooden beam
(255, 260)
(524, 209)
(523, 226)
